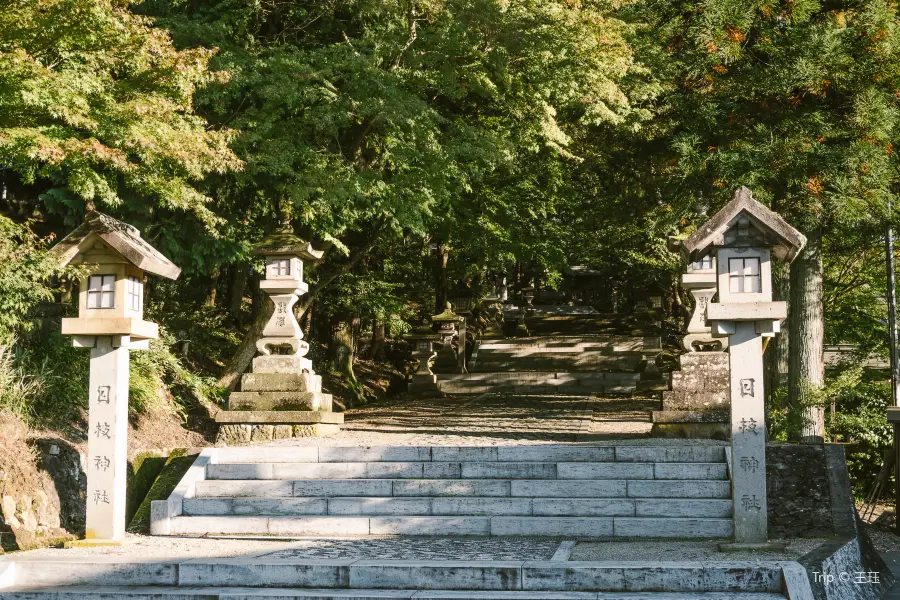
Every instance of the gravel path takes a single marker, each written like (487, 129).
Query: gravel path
(497, 420)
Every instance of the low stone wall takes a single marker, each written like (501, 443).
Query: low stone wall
(808, 491)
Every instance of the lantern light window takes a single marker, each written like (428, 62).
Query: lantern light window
(101, 291)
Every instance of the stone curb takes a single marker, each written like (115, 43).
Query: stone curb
(163, 511)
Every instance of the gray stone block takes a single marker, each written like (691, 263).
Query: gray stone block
(742, 576)
(580, 527)
(379, 506)
(293, 401)
(665, 577)
(271, 417)
(239, 471)
(690, 416)
(572, 576)
(587, 507)
(280, 506)
(347, 487)
(569, 489)
(259, 572)
(708, 471)
(436, 575)
(449, 487)
(670, 453)
(431, 525)
(679, 399)
(669, 527)
(301, 471)
(679, 489)
(555, 453)
(604, 471)
(695, 507)
(94, 570)
(92, 592)
(481, 506)
(463, 454)
(269, 489)
(508, 470)
(268, 454)
(206, 506)
(334, 594)
(374, 454)
(441, 470)
(279, 382)
(227, 524)
(325, 526)
(493, 595)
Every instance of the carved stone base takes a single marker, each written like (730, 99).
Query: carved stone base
(704, 342)
(282, 363)
(244, 433)
(298, 346)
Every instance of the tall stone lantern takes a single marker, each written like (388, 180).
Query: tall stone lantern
(744, 236)
(110, 322)
(450, 325)
(282, 397)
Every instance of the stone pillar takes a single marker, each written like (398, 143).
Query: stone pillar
(107, 461)
(748, 435)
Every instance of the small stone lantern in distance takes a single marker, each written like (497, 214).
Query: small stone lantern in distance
(110, 322)
(744, 235)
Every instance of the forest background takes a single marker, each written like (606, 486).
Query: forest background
(420, 143)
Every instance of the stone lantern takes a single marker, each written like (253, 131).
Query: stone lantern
(743, 237)
(451, 325)
(282, 397)
(424, 381)
(110, 322)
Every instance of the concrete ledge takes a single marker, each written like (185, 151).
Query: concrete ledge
(163, 511)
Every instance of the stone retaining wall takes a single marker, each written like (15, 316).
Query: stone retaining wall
(808, 491)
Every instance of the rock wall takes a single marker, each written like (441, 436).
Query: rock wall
(808, 491)
(32, 514)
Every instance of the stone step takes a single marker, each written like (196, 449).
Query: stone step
(687, 400)
(467, 525)
(177, 593)
(466, 470)
(262, 575)
(544, 377)
(382, 488)
(641, 453)
(456, 506)
(269, 417)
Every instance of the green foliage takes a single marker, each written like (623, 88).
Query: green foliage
(97, 105)
(25, 270)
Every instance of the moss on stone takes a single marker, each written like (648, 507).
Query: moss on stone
(171, 473)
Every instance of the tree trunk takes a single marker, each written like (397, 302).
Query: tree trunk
(442, 256)
(238, 285)
(211, 290)
(342, 348)
(377, 340)
(776, 357)
(247, 349)
(807, 338)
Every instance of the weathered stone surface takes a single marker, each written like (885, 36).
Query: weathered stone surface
(681, 454)
(279, 417)
(569, 489)
(279, 363)
(553, 526)
(278, 382)
(450, 487)
(679, 399)
(690, 416)
(437, 575)
(605, 471)
(430, 525)
(799, 499)
(258, 572)
(350, 487)
(673, 507)
(679, 489)
(508, 470)
(589, 507)
(374, 454)
(481, 506)
(280, 400)
(270, 489)
(670, 527)
(379, 506)
(690, 471)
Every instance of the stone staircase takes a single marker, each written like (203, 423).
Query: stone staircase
(255, 578)
(573, 365)
(617, 491)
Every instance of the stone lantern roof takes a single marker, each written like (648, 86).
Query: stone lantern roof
(769, 229)
(121, 237)
(286, 242)
(448, 316)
